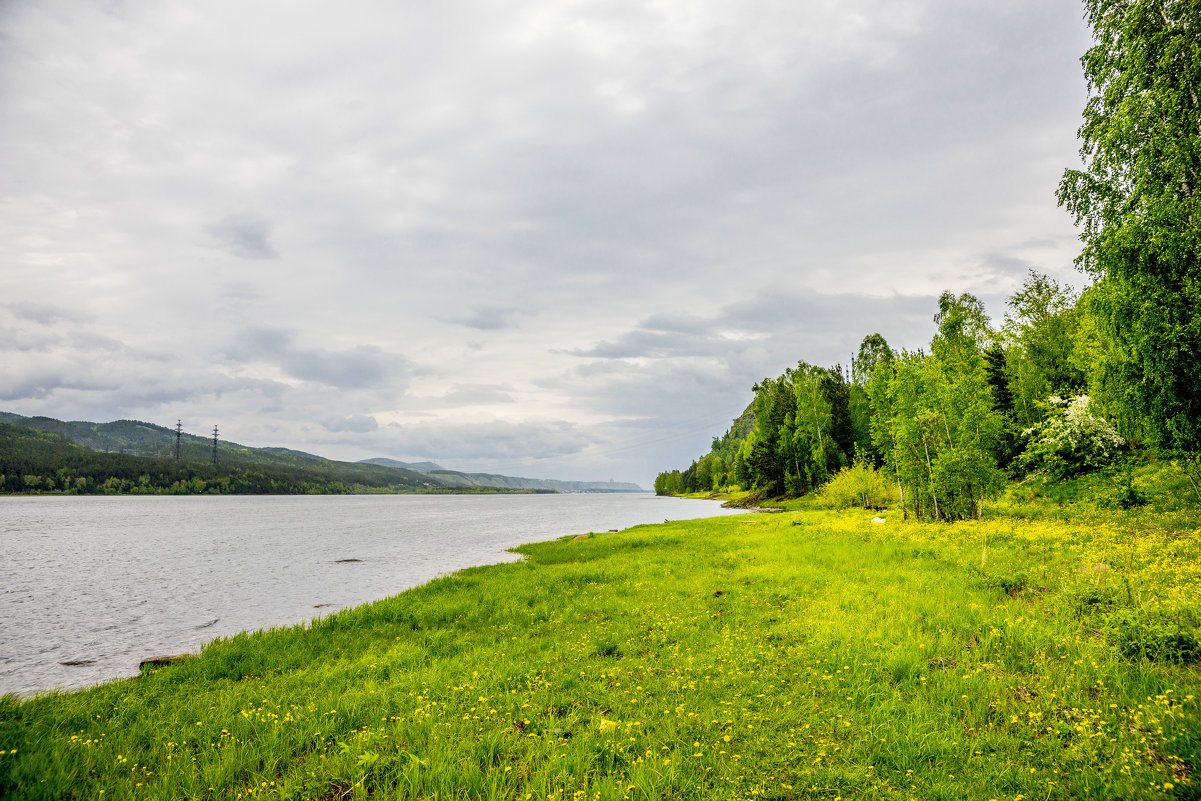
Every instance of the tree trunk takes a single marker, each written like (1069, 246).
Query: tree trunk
(933, 494)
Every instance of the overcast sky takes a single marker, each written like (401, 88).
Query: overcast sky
(555, 239)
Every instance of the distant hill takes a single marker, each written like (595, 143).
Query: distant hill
(126, 449)
(420, 467)
(129, 449)
(459, 479)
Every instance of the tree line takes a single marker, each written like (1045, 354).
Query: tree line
(939, 431)
(1068, 380)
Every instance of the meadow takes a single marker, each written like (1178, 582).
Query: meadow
(1045, 653)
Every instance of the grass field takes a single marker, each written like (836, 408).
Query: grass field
(807, 654)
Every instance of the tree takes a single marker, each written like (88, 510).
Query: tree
(996, 368)
(873, 351)
(817, 450)
(874, 357)
(1137, 203)
(941, 427)
(842, 432)
(1042, 323)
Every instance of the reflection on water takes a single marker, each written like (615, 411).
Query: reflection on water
(106, 582)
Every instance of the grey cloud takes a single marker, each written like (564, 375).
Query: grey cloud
(458, 397)
(1038, 242)
(493, 440)
(625, 204)
(50, 340)
(1006, 263)
(355, 423)
(246, 236)
(709, 374)
(78, 390)
(489, 318)
(240, 293)
(30, 387)
(476, 395)
(21, 339)
(829, 315)
(355, 368)
(43, 314)
(648, 344)
(363, 366)
(660, 389)
(677, 323)
(192, 389)
(816, 327)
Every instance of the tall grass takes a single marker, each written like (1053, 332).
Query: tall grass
(797, 655)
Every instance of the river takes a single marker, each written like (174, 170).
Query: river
(105, 582)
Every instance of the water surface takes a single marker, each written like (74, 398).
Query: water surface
(113, 580)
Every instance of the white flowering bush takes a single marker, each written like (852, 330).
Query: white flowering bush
(1071, 441)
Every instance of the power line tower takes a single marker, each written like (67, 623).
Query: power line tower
(214, 444)
(178, 437)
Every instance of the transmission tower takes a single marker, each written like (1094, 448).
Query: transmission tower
(178, 437)
(214, 444)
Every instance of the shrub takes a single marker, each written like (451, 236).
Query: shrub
(1071, 441)
(859, 485)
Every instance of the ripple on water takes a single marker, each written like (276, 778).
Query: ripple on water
(114, 580)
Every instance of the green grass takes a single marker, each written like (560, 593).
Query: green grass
(807, 655)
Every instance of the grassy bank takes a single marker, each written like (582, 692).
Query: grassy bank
(796, 655)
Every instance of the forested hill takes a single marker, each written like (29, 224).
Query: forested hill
(136, 438)
(39, 456)
(459, 479)
(42, 454)
(32, 460)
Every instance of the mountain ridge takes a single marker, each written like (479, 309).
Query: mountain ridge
(142, 439)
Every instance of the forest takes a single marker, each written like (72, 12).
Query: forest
(938, 432)
(34, 461)
(41, 456)
(1069, 382)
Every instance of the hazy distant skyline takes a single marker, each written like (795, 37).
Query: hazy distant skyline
(559, 240)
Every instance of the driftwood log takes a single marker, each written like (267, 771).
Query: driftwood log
(159, 661)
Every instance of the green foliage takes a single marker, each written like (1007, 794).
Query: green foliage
(33, 460)
(1071, 440)
(936, 420)
(940, 424)
(859, 485)
(1042, 329)
(798, 431)
(1138, 205)
(873, 352)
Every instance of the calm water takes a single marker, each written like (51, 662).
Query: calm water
(115, 580)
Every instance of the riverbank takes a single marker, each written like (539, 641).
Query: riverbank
(101, 583)
(793, 655)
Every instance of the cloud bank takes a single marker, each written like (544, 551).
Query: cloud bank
(560, 239)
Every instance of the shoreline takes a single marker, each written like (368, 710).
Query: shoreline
(720, 657)
(179, 572)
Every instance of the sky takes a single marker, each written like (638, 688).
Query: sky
(551, 239)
